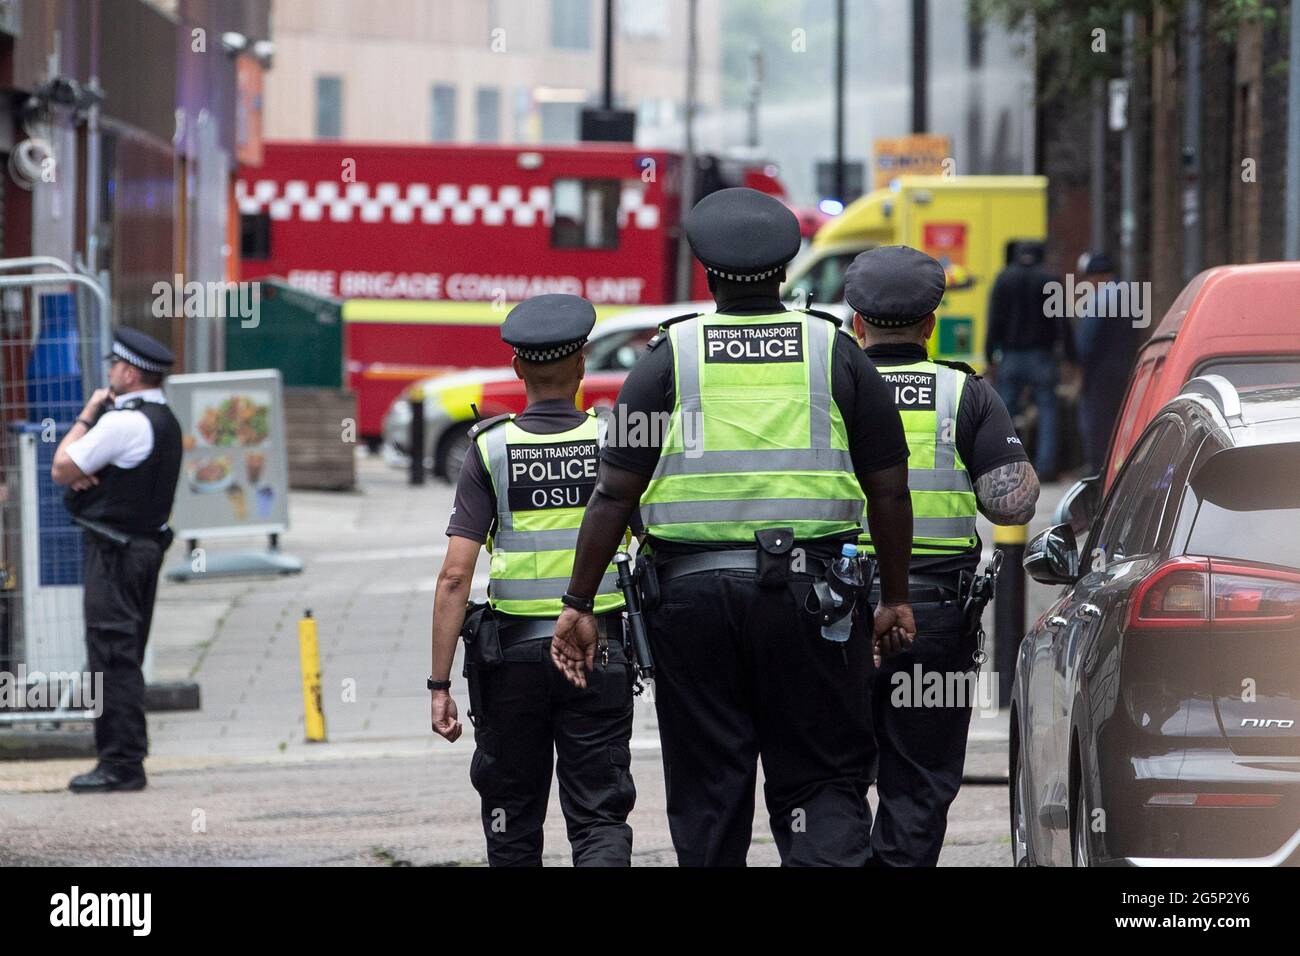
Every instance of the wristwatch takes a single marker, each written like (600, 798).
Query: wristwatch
(438, 684)
(585, 605)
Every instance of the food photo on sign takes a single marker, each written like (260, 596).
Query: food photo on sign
(228, 432)
(234, 468)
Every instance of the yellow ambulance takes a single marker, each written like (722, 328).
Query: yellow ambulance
(966, 222)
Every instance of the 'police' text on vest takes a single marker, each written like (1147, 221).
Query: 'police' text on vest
(752, 343)
(552, 476)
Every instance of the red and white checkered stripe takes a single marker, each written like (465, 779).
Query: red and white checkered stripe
(443, 204)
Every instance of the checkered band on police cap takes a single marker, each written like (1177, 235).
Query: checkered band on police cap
(135, 358)
(757, 277)
(551, 354)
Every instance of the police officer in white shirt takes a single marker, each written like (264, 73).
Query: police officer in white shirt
(121, 460)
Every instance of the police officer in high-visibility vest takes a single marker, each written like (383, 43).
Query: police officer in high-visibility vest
(777, 426)
(522, 492)
(965, 457)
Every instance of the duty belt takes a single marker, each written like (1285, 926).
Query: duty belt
(737, 559)
(521, 630)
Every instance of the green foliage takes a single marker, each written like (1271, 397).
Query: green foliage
(1065, 31)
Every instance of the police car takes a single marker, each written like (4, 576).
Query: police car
(450, 400)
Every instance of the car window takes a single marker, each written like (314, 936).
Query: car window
(1256, 520)
(823, 283)
(1130, 524)
(618, 351)
(1244, 372)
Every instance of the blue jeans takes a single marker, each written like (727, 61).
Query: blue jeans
(1035, 369)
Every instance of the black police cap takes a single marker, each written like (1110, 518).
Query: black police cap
(742, 234)
(548, 327)
(143, 351)
(893, 286)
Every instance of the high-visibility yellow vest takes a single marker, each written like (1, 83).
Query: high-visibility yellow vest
(542, 483)
(928, 396)
(754, 439)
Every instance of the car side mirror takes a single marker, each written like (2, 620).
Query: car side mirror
(1078, 506)
(1052, 557)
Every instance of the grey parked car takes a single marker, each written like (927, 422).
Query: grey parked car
(1156, 708)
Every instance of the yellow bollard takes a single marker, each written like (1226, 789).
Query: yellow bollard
(1010, 534)
(309, 652)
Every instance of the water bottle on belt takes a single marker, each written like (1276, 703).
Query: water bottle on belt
(845, 580)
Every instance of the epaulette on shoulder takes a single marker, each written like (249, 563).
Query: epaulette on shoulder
(659, 336)
(479, 427)
(959, 366)
(131, 405)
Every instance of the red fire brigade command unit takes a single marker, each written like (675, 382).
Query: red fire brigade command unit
(472, 228)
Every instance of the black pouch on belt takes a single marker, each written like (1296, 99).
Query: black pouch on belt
(648, 578)
(481, 636)
(774, 546)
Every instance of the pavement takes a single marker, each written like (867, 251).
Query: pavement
(235, 782)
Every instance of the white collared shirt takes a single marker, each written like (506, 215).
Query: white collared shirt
(123, 438)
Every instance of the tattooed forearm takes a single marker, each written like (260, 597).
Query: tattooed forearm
(1007, 495)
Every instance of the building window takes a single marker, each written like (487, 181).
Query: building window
(487, 105)
(643, 19)
(571, 24)
(255, 236)
(444, 113)
(559, 121)
(585, 213)
(523, 128)
(329, 107)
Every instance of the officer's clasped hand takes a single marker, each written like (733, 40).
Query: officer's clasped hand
(573, 649)
(895, 629)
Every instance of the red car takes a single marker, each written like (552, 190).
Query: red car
(1235, 321)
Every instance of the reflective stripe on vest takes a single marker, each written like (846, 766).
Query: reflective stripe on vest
(541, 489)
(754, 439)
(943, 499)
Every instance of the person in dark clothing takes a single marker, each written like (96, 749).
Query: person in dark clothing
(965, 459)
(1024, 345)
(121, 460)
(779, 425)
(522, 492)
(1106, 344)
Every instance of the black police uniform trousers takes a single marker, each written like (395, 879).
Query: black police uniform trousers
(528, 715)
(922, 746)
(742, 672)
(120, 584)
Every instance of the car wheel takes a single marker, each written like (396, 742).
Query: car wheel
(1079, 831)
(1019, 819)
(453, 451)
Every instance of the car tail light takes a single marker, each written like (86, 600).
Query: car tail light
(1197, 593)
(1176, 594)
(1254, 597)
